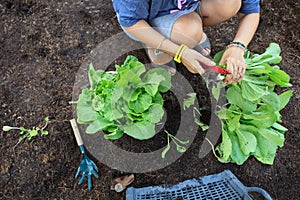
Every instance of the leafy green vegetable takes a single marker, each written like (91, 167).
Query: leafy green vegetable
(29, 133)
(201, 124)
(216, 90)
(234, 97)
(179, 147)
(270, 56)
(225, 148)
(117, 134)
(246, 138)
(189, 101)
(140, 130)
(263, 117)
(165, 151)
(126, 102)
(284, 98)
(267, 142)
(237, 156)
(250, 121)
(251, 91)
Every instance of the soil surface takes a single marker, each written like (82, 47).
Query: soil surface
(42, 46)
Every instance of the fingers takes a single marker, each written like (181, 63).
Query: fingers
(205, 63)
(194, 67)
(198, 68)
(237, 67)
(243, 70)
(229, 77)
(235, 63)
(194, 61)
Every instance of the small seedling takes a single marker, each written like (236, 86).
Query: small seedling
(202, 125)
(189, 101)
(179, 148)
(29, 133)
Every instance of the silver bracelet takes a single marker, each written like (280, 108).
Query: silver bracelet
(237, 44)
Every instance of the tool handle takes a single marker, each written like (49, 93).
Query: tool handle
(215, 69)
(76, 132)
(219, 69)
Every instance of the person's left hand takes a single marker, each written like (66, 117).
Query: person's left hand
(233, 57)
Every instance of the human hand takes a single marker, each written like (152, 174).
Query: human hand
(233, 57)
(193, 60)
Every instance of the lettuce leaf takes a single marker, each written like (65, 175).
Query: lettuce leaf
(126, 102)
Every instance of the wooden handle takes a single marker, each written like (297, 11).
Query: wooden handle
(76, 132)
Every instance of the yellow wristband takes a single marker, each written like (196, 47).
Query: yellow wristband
(179, 53)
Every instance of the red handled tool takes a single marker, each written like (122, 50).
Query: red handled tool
(219, 69)
(216, 69)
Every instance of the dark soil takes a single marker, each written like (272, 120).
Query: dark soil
(42, 46)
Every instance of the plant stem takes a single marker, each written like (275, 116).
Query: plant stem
(73, 102)
(44, 126)
(174, 138)
(15, 128)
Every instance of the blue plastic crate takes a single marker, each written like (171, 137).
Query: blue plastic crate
(222, 186)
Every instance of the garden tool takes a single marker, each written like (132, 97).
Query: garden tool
(213, 79)
(216, 69)
(87, 166)
(213, 75)
(119, 184)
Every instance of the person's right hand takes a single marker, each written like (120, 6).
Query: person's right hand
(192, 60)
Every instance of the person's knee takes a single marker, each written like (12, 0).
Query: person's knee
(229, 8)
(187, 30)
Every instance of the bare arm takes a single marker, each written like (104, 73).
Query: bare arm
(247, 27)
(146, 34)
(234, 56)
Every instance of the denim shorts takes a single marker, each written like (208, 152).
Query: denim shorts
(164, 24)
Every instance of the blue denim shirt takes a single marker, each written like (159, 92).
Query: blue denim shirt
(131, 11)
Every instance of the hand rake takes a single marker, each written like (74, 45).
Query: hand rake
(87, 166)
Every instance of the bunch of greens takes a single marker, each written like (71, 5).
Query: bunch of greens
(250, 120)
(128, 101)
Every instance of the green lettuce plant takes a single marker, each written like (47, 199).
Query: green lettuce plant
(128, 101)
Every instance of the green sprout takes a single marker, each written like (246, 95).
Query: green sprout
(188, 102)
(202, 125)
(179, 148)
(29, 133)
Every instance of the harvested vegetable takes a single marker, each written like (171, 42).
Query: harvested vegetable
(250, 120)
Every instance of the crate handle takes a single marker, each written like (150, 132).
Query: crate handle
(259, 190)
